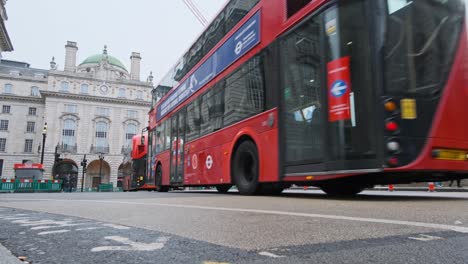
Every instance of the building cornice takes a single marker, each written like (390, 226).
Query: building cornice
(18, 98)
(91, 79)
(84, 97)
(22, 78)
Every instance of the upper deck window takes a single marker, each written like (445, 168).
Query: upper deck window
(296, 5)
(230, 16)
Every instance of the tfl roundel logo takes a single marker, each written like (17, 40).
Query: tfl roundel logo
(338, 88)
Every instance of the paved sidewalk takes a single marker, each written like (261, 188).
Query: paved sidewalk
(6, 257)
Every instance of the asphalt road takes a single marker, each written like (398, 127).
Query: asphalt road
(206, 227)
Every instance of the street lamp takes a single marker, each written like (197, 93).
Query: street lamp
(44, 135)
(101, 157)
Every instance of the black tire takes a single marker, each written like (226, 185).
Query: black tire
(158, 180)
(223, 188)
(343, 190)
(245, 167)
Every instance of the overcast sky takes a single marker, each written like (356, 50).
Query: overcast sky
(161, 30)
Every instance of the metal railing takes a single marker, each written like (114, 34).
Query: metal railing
(67, 148)
(99, 149)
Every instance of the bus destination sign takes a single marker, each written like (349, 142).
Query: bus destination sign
(242, 41)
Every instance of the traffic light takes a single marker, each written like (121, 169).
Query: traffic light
(57, 158)
(84, 163)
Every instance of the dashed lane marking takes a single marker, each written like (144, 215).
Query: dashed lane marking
(131, 245)
(425, 238)
(268, 254)
(119, 227)
(53, 232)
(460, 229)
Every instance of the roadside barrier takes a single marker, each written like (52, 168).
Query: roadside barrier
(7, 185)
(106, 187)
(24, 185)
(29, 186)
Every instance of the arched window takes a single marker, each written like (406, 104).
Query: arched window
(68, 133)
(8, 88)
(130, 132)
(84, 88)
(64, 86)
(35, 91)
(101, 136)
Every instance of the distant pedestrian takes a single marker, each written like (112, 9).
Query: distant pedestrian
(458, 183)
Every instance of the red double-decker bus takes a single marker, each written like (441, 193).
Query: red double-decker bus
(342, 95)
(138, 178)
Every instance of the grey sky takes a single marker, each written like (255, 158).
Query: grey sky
(161, 30)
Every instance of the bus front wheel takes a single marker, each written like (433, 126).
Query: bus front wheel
(245, 167)
(158, 180)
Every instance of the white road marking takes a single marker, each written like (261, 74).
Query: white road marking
(425, 238)
(87, 228)
(268, 254)
(53, 232)
(460, 229)
(458, 223)
(119, 227)
(53, 226)
(131, 245)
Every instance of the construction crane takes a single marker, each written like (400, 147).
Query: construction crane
(196, 12)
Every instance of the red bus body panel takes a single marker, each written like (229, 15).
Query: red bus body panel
(450, 126)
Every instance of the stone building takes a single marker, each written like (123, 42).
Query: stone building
(91, 109)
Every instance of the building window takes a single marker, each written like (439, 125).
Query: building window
(1, 167)
(30, 128)
(84, 88)
(3, 125)
(101, 134)
(28, 145)
(132, 113)
(68, 132)
(8, 88)
(103, 111)
(32, 111)
(64, 86)
(130, 132)
(35, 91)
(139, 95)
(6, 109)
(69, 108)
(2, 144)
(122, 93)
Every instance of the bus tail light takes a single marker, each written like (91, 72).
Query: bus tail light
(390, 106)
(393, 146)
(391, 126)
(393, 161)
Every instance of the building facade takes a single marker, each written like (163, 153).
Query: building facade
(92, 109)
(5, 42)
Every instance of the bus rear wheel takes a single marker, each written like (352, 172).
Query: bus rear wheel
(245, 167)
(223, 188)
(158, 180)
(342, 189)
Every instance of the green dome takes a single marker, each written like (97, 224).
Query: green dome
(96, 59)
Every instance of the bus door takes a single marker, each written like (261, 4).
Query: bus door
(327, 101)
(177, 148)
(351, 88)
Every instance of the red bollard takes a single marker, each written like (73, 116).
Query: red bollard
(431, 187)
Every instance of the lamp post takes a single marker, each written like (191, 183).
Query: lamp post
(44, 135)
(101, 157)
(83, 164)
